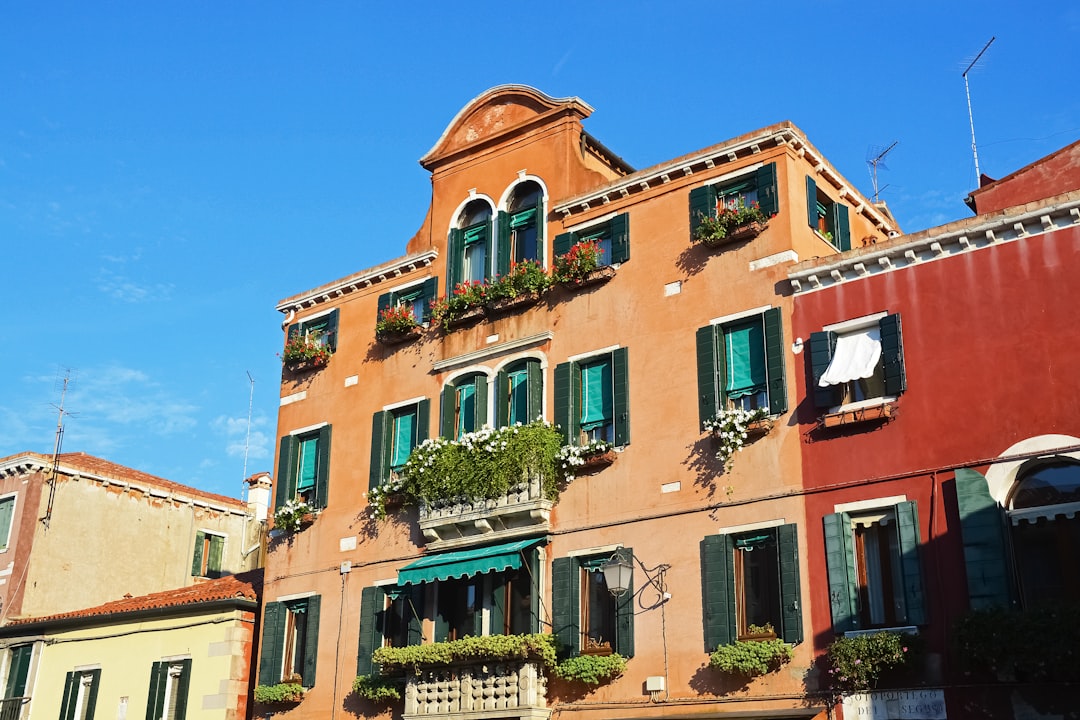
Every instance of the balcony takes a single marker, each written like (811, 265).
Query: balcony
(523, 510)
(476, 692)
(12, 708)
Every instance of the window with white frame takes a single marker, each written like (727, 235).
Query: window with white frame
(7, 514)
(741, 364)
(858, 362)
(206, 561)
(592, 398)
(470, 245)
(290, 641)
(395, 431)
(80, 694)
(169, 686)
(1044, 510)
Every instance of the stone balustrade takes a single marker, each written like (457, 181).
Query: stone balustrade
(475, 692)
(522, 511)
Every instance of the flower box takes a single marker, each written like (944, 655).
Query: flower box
(873, 413)
(299, 367)
(758, 636)
(596, 461)
(468, 317)
(760, 427)
(510, 304)
(742, 232)
(399, 337)
(593, 277)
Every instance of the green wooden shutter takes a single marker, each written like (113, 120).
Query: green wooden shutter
(441, 624)
(502, 244)
(566, 400)
(535, 382)
(286, 474)
(183, 686)
(7, 507)
(718, 591)
(293, 331)
(273, 640)
(414, 596)
(907, 527)
(18, 667)
(196, 561)
(541, 223)
(620, 374)
(811, 202)
(702, 205)
(892, 354)
(448, 428)
(386, 301)
(983, 532)
(787, 544)
(217, 546)
(455, 256)
(565, 614)
(624, 612)
(708, 400)
(532, 562)
(840, 562)
(423, 420)
(774, 361)
(91, 698)
(619, 228)
(322, 479)
(330, 330)
(841, 228)
(428, 292)
(822, 345)
(372, 604)
(155, 699)
(311, 640)
(563, 242)
(768, 196)
(480, 402)
(497, 615)
(380, 459)
(502, 399)
(71, 696)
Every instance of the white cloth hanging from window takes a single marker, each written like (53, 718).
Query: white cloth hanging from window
(856, 357)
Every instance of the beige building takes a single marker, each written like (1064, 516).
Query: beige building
(88, 531)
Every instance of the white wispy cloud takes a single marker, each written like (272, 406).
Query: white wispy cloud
(235, 430)
(124, 289)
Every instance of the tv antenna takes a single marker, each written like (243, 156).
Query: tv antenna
(56, 447)
(971, 119)
(878, 161)
(247, 440)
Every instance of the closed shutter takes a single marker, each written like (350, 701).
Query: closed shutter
(841, 228)
(372, 605)
(18, 667)
(787, 544)
(565, 616)
(183, 685)
(497, 615)
(286, 474)
(563, 243)
(565, 412)
(907, 527)
(322, 479)
(982, 529)
(774, 362)
(702, 205)
(536, 390)
(708, 400)
(197, 560)
(71, 696)
(414, 596)
(273, 639)
(822, 345)
(811, 203)
(767, 194)
(448, 428)
(377, 471)
(155, 699)
(330, 330)
(620, 238)
(311, 640)
(718, 591)
(91, 697)
(213, 566)
(502, 244)
(840, 563)
(455, 257)
(620, 373)
(892, 354)
(624, 612)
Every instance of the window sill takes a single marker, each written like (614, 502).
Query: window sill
(739, 234)
(300, 367)
(503, 306)
(826, 238)
(596, 461)
(400, 337)
(873, 411)
(594, 277)
(600, 649)
(903, 629)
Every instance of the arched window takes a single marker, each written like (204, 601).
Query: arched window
(1043, 508)
(519, 390)
(521, 228)
(470, 244)
(464, 405)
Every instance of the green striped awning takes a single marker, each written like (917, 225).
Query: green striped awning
(466, 563)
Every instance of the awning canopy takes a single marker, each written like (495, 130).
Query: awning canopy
(856, 357)
(466, 563)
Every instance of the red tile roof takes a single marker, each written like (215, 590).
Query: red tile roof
(244, 586)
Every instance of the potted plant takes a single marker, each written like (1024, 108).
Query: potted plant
(293, 515)
(280, 694)
(538, 647)
(733, 222)
(759, 632)
(377, 688)
(593, 669)
(592, 455)
(523, 285)
(307, 351)
(465, 305)
(751, 658)
(397, 325)
(732, 427)
(855, 663)
(581, 266)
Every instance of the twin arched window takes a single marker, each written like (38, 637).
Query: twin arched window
(518, 392)
(1044, 509)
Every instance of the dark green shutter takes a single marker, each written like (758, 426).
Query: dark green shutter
(423, 420)
(273, 640)
(480, 403)
(183, 685)
(71, 696)
(449, 412)
(619, 227)
(983, 532)
(840, 562)
(414, 596)
(822, 345)
(706, 373)
(311, 640)
(565, 613)
(702, 205)
(811, 202)
(774, 361)
(502, 399)
(892, 354)
(907, 528)
(322, 479)
(91, 699)
(841, 227)
(372, 604)
(541, 222)
(563, 242)
(566, 416)
(386, 301)
(787, 544)
(213, 567)
(718, 591)
(18, 667)
(380, 460)
(455, 259)
(502, 244)
(286, 479)
(196, 562)
(428, 292)
(620, 377)
(293, 331)
(155, 699)
(768, 196)
(330, 330)
(535, 383)
(442, 625)
(532, 562)
(497, 622)
(624, 612)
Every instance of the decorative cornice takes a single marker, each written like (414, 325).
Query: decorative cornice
(492, 351)
(977, 233)
(357, 281)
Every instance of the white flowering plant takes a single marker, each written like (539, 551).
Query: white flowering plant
(729, 427)
(289, 516)
(572, 457)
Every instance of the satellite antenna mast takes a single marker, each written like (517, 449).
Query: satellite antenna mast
(971, 119)
(879, 161)
(247, 440)
(56, 448)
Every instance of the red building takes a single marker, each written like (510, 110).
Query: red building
(941, 446)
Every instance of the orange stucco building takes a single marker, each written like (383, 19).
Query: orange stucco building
(638, 353)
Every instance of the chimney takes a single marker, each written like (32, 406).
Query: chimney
(259, 495)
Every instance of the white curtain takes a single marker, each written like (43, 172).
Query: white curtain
(856, 357)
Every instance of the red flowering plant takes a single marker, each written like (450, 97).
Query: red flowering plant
(523, 278)
(397, 319)
(729, 216)
(579, 261)
(466, 296)
(310, 347)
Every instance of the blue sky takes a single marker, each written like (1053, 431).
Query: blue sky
(169, 171)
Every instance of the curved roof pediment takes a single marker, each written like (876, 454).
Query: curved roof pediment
(495, 111)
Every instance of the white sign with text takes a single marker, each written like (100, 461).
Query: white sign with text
(896, 705)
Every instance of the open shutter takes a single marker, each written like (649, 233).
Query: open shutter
(907, 528)
(448, 427)
(293, 331)
(774, 362)
(7, 507)
(983, 532)
(423, 420)
(372, 604)
(497, 615)
(273, 638)
(532, 562)
(480, 403)
(892, 354)
(91, 698)
(536, 389)
(380, 457)
(708, 400)
(71, 696)
(811, 203)
(541, 223)
(620, 376)
(183, 685)
(840, 562)
(787, 544)
(311, 640)
(620, 238)
(330, 330)
(822, 345)
(767, 196)
(565, 616)
(718, 590)
(286, 475)
(502, 244)
(563, 243)
(217, 546)
(414, 596)
(428, 292)
(841, 228)
(322, 479)
(386, 301)
(702, 205)
(566, 399)
(442, 625)
(624, 612)
(155, 699)
(196, 562)
(455, 257)
(502, 399)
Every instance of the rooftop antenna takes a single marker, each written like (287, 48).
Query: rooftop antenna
(247, 440)
(971, 119)
(56, 447)
(877, 161)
